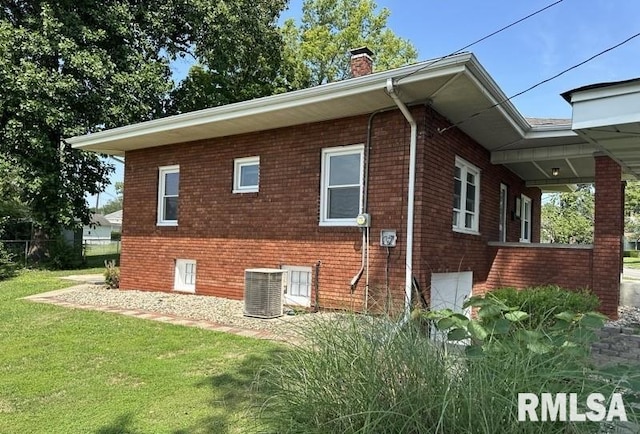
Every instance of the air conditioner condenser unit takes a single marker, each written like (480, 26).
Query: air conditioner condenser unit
(263, 292)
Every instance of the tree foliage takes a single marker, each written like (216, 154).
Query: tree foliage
(75, 67)
(632, 210)
(114, 204)
(238, 49)
(317, 50)
(568, 217)
(69, 68)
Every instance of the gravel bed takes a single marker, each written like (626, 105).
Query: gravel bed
(628, 316)
(228, 312)
(198, 307)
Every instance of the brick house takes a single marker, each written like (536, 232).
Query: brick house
(449, 181)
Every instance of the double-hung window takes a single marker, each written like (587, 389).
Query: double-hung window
(168, 187)
(246, 175)
(341, 185)
(466, 197)
(525, 219)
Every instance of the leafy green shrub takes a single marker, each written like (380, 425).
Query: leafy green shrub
(499, 328)
(62, 255)
(364, 375)
(111, 274)
(116, 235)
(543, 302)
(8, 265)
(632, 254)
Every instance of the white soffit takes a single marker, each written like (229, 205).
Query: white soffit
(346, 98)
(457, 87)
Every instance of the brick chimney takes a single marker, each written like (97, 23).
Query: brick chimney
(361, 62)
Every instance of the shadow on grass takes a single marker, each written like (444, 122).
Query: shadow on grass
(236, 399)
(120, 426)
(98, 260)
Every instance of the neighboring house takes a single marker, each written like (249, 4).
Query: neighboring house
(98, 231)
(448, 173)
(115, 218)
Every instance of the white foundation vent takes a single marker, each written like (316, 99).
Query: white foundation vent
(263, 292)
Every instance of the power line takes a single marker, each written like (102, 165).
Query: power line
(480, 40)
(541, 82)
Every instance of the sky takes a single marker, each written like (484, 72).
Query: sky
(562, 36)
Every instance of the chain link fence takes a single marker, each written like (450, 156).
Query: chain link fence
(25, 253)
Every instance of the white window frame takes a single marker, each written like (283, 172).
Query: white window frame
(465, 168)
(327, 153)
(503, 207)
(185, 275)
(162, 172)
(297, 300)
(240, 163)
(525, 219)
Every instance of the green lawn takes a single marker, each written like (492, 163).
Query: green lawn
(631, 262)
(74, 371)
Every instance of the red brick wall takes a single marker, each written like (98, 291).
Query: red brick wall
(522, 266)
(608, 230)
(444, 250)
(227, 233)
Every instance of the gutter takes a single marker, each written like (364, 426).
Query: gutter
(408, 283)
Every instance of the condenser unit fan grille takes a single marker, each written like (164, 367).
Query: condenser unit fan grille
(263, 293)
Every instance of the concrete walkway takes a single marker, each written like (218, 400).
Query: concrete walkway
(97, 279)
(630, 287)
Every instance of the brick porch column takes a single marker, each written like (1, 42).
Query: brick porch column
(608, 232)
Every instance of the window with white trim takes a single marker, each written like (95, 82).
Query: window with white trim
(168, 188)
(466, 197)
(246, 175)
(502, 225)
(525, 219)
(341, 185)
(185, 275)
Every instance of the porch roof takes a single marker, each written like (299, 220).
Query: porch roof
(458, 87)
(608, 116)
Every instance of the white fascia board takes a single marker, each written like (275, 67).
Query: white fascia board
(289, 100)
(605, 92)
(611, 121)
(550, 132)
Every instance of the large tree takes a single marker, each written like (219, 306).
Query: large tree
(317, 50)
(66, 68)
(71, 67)
(568, 217)
(238, 54)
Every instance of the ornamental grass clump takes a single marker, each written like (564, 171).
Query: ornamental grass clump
(360, 374)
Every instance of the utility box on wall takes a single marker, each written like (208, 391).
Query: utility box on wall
(388, 238)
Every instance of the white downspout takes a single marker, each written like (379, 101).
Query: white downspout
(408, 282)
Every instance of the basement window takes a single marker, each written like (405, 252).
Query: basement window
(466, 197)
(185, 275)
(246, 175)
